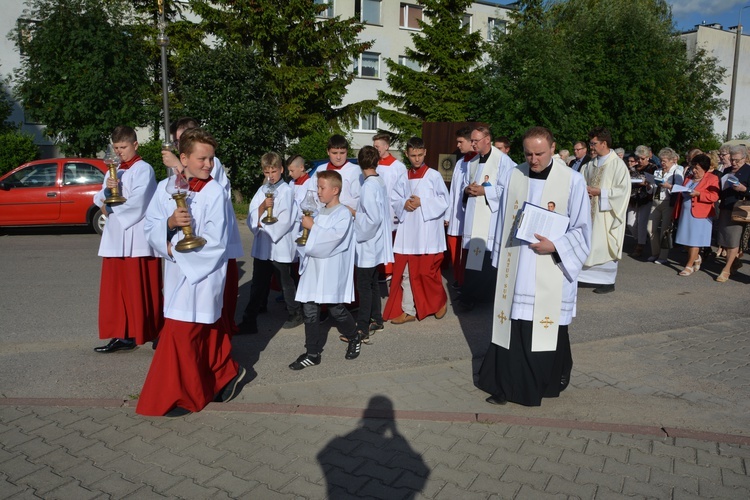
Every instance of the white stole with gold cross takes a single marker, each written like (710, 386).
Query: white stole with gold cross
(549, 276)
(482, 215)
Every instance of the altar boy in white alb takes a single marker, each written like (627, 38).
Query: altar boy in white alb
(535, 296)
(193, 364)
(326, 268)
(130, 294)
(454, 216)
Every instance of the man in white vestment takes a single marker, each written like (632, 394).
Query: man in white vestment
(535, 296)
(481, 199)
(608, 184)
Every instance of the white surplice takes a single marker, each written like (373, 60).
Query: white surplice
(351, 180)
(193, 281)
(123, 234)
(234, 247)
(327, 260)
(456, 213)
(372, 228)
(422, 231)
(393, 173)
(274, 241)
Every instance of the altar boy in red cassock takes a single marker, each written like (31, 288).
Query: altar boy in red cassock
(417, 287)
(130, 297)
(193, 364)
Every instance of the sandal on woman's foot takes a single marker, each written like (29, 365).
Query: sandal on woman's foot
(687, 271)
(724, 276)
(697, 264)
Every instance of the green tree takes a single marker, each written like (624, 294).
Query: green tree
(305, 59)
(447, 54)
(225, 88)
(575, 64)
(82, 73)
(16, 148)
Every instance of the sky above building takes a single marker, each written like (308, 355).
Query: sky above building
(688, 13)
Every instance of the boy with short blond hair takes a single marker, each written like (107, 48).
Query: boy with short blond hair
(274, 249)
(326, 269)
(417, 287)
(130, 298)
(193, 364)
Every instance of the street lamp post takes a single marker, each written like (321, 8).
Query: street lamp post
(163, 42)
(735, 70)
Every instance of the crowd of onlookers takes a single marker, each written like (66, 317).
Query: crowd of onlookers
(688, 203)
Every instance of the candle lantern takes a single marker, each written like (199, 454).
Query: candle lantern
(308, 206)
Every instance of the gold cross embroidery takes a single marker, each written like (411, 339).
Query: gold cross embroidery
(546, 322)
(476, 251)
(502, 317)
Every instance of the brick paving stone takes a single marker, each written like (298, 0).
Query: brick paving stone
(237, 465)
(71, 490)
(540, 450)
(51, 432)
(495, 485)
(112, 436)
(125, 420)
(631, 442)
(558, 484)
(712, 490)
(527, 492)
(375, 489)
(158, 480)
(305, 468)
(471, 433)
(504, 441)
(405, 461)
(505, 457)
(458, 477)
(86, 426)
(34, 449)
(231, 484)
(707, 446)
(734, 450)
(59, 460)
(372, 469)
(633, 487)
(144, 493)
(451, 492)
(87, 473)
(582, 460)
(600, 436)
(127, 466)
(269, 440)
(334, 476)
(197, 471)
(732, 479)
(618, 469)
(273, 479)
(18, 467)
(74, 442)
(173, 442)
(533, 434)
(10, 413)
(5, 454)
(483, 467)
(99, 453)
(675, 481)
(438, 456)
(43, 480)
(165, 459)
(725, 462)
(14, 437)
(685, 453)
(618, 453)
(564, 441)
(443, 442)
(30, 423)
(686, 469)
(66, 416)
(604, 493)
(115, 485)
(263, 492)
(240, 447)
(204, 454)
(346, 463)
(515, 475)
(211, 437)
(135, 446)
(189, 489)
(554, 468)
(148, 430)
(611, 481)
(663, 463)
(305, 489)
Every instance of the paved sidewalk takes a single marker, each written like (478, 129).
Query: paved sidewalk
(658, 406)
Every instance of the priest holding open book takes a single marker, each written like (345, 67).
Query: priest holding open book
(535, 295)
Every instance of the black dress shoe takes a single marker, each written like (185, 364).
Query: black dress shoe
(497, 399)
(178, 411)
(117, 345)
(604, 289)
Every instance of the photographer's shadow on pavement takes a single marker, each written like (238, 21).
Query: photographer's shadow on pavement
(373, 460)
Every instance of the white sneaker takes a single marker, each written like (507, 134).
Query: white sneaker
(652, 258)
(660, 261)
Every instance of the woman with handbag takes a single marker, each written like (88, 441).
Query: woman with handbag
(734, 187)
(695, 210)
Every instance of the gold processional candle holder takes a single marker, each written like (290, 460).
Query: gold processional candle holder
(179, 191)
(112, 160)
(308, 207)
(270, 190)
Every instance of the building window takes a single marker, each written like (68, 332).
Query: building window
(328, 12)
(466, 22)
(25, 33)
(410, 16)
(409, 63)
(369, 122)
(495, 27)
(368, 11)
(367, 65)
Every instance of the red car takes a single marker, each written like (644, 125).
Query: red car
(57, 192)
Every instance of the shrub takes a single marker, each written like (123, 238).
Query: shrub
(16, 148)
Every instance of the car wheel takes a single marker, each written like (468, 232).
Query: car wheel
(98, 221)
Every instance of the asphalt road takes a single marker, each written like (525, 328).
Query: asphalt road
(49, 297)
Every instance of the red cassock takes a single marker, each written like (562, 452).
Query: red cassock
(426, 285)
(457, 256)
(130, 298)
(192, 364)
